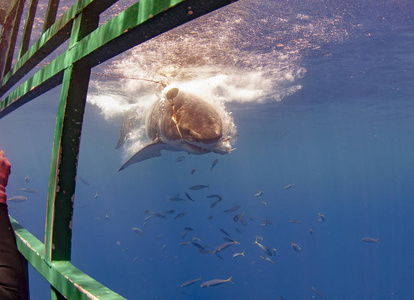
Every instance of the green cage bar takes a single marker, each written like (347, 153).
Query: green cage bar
(89, 45)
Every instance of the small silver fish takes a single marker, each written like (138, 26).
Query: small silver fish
(84, 181)
(180, 215)
(214, 196)
(318, 292)
(203, 251)
(27, 190)
(189, 282)
(158, 215)
(258, 194)
(184, 234)
(188, 197)
(238, 254)
(294, 221)
(214, 282)
(199, 187)
(214, 164)
(137, 230)
(215, 203)
(321, 217)
(267, 259)
(176, 197)
(370, 240)
(181, 158)
(224, 246)
(296, 247)
(289, 186)
(27, 178)
(233, 209)
(17, 199)
(266, 222)
(264, 248)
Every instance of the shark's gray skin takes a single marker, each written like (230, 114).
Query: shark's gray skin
(197, 129)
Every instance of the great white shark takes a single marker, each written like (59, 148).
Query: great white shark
(180, 122)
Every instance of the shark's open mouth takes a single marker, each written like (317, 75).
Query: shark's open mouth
(222, 147)
(195, 149)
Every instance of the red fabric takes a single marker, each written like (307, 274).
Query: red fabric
(4, 176)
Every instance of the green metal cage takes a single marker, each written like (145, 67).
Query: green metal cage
(89, 46)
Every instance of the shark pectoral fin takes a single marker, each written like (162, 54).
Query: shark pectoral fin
(149, 151)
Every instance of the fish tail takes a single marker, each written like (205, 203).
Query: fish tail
(243, 253)
(230, 280)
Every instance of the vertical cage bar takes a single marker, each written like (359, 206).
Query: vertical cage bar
(13, 37)
(64, 163)
(28, 27)
(66, 147)
(51, 12)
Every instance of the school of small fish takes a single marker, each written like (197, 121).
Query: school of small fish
(262, 249)
(229, 244)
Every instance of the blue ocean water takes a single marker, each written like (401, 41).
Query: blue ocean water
(322, 97)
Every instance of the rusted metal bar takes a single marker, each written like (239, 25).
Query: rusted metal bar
(13, 37)
(10, 31)
(65, 152)
(62, 178)
(28, 26)
(49, 41)
(51, 12)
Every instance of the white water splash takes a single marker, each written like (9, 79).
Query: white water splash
(232, 55)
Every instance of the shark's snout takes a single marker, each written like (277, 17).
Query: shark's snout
(206, 135)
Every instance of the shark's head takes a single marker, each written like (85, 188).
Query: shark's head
(187, 123)
(199, 125)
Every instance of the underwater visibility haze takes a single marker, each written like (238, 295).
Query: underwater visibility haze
(316, 200)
